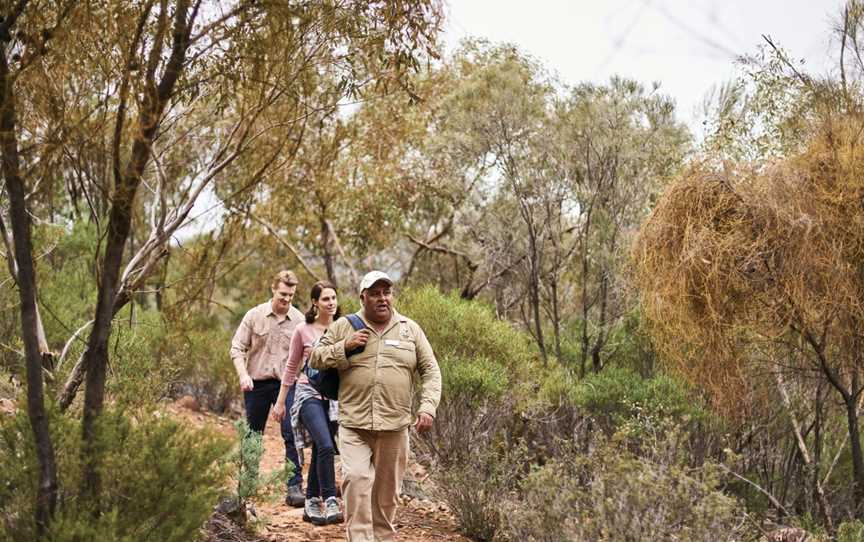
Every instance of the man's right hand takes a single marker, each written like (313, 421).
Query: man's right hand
(358, 340)
(246, 383)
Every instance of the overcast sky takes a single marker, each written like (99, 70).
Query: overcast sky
(686, 45)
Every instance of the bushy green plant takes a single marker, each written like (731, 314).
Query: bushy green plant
(66, 280)
(199, 350)
(66, 289)
(478, 486)
(620, 398)
(160, 479)
(508, 440)
(477, 379)
(851, 531)
(554, 385)
(348, 303)
(465, 329)
(137, 350)
(613, 495)
(246, 460)
(485, 366)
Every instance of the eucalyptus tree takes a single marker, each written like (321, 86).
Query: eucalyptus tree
(102, 98)
(490, 108)
(535, 189)
(618, 144)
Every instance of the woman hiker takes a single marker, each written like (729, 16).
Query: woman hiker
(311, 411)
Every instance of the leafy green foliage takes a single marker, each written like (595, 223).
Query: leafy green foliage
(613, 495)
(850, 531)
(620, 398)
(246, 460)
(138, 343)
(463, 329)
(476, 378)
(199, 350)
(67, 292)
(160, 479)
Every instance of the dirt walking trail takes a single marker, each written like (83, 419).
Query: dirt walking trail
(417, 520)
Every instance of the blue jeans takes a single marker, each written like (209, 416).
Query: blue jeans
(257, 403)
(322, 474)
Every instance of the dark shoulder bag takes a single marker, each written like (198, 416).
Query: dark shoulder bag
(326, 382)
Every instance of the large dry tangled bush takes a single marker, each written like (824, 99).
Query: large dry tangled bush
(741, 265)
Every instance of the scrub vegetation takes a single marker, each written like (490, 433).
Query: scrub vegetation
(643, 334)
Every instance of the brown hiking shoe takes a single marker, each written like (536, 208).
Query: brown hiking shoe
(295, 496)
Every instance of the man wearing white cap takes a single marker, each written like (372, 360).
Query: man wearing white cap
(375, 397)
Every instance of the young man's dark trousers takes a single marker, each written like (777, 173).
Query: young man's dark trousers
(258, 403)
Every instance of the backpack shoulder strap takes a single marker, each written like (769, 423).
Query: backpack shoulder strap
(356, 322)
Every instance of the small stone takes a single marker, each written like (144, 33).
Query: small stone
(189, 403)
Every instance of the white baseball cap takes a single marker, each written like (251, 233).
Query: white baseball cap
(372, 277)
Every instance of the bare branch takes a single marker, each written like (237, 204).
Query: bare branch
(284, 243)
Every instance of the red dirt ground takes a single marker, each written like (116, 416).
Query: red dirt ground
(417, 521)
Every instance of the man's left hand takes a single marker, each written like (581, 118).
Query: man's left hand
(423, 423)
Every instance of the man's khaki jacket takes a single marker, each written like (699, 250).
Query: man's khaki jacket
(376, 386)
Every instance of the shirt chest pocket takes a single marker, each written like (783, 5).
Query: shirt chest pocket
(285, 336)
(260, 336)
(401, 353)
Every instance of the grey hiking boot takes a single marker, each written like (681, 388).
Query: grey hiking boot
(312, 511)
(332, 511)
(295, 496)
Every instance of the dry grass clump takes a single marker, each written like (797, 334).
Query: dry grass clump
(733, 260)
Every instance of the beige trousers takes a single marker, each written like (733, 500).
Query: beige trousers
(373, 463)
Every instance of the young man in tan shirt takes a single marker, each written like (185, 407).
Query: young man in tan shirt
(259, 350)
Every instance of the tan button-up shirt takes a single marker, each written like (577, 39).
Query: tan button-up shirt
(376, 386)
(262, 341)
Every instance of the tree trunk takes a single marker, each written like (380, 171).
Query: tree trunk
(802, 449)
(596, 361)
(326, 245)
(556, 315)
(534, 283)
(818, 438)
(95, 358)
(583, 354)
(13, 271)
(855, 447)
(46, 496)
(535, 296)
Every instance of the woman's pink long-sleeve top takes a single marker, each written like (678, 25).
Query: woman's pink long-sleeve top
(301, 346)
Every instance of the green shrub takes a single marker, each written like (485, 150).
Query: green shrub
(477, 379)
(613, 495)
(160, 479)
(348, 303)
(851, 531)
(554, 385)
(478, 486)
(66, 282)
(466, 329)
(199, 350)
(485, 366)
(137, 350)
(513, 443)
(620, 398)
(246, 460)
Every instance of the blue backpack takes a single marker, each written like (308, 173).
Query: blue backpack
(326, 382)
